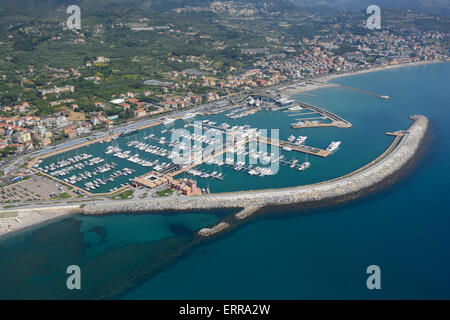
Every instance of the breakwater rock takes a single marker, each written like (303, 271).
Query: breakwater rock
(398, 155)
(206, 232)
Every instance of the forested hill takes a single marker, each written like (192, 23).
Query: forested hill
(424, 6)
(49, 8)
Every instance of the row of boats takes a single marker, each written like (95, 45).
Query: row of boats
(90, 174)
(297, 140)
(301, 124)
(211, 137)
(222, 128)
(148, 148)
(62, 163)
(295, 108)
(198, 173)
(79, 166)
(136, 158)
(187, 116)
(261, 171)
(240, 113)
(300, 167)
(97, 183)
(63, 171)
(236, 113)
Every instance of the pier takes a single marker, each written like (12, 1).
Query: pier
(282, 144)
(297, 147)
(365, 91)
(370, 93)
(336, 120)
(313, 118)
(299, 114)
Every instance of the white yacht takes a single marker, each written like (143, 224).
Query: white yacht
(168, 121)
(189, 115)
(304, 166)
(295, 108)
(333, 146)
(301, 140)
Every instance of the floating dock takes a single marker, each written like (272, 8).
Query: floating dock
(294, 147)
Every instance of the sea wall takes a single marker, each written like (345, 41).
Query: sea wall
(349, 184)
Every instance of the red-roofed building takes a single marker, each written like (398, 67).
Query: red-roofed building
(139, 113)
(125, 106)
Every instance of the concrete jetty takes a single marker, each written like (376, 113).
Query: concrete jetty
(246, 212)
(206, 232)
(398, 155)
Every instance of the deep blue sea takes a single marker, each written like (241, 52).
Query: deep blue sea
(308, 254)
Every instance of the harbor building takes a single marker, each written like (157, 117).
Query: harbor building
(185, 186)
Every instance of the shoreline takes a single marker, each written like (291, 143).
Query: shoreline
(28, 218)
(46, 215)
(299, 89)
(381, 172)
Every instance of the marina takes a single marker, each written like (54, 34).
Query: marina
(217, 150)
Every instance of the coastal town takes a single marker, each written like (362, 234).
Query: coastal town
(22, 131)
(215, 150)
(77, 99)
(52, 109)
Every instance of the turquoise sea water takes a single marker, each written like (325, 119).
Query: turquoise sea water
(320, 253)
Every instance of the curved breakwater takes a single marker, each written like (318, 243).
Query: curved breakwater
(394, 159)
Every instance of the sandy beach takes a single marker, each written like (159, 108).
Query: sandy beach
(17, 219)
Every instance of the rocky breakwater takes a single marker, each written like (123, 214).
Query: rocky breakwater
(342, 188)
(206, 232)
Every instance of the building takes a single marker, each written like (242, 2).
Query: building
(212, 96)
(151, 180)
(354, 56)
(21, 137)
(185, 186)
(70, 132)
(139, 113)
(101, 59)
(85, 128)
(61, 121)
(57, 90)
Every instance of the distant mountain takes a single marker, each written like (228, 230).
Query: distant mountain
(47, 7)
(425, 6)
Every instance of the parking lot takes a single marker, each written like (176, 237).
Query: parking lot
(35, 188)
